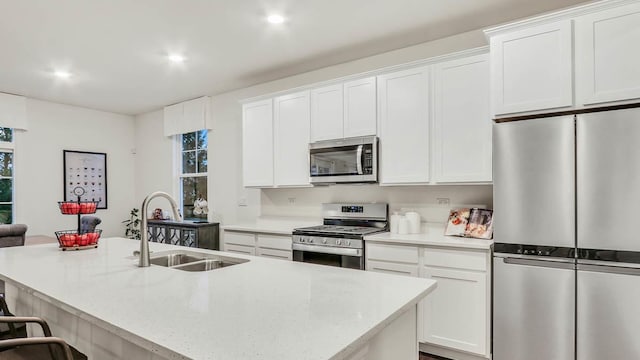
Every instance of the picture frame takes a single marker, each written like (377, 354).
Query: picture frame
(87, 171)
(470, 222)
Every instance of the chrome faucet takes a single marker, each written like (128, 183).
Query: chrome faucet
(144, 235)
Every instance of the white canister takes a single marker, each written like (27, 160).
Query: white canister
(414, 222)
(395, 217)
(403, 225)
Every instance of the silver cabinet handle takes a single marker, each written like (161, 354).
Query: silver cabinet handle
(550, 264)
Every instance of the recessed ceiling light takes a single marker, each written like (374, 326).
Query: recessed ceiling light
(62, 74)
(275, 19)
(176, 58)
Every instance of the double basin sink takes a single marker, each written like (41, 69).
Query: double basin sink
(193, 261)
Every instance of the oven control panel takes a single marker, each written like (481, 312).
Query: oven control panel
(327, 241)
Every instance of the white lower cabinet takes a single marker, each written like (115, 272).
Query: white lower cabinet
(265, 245)
(455, 314)
(454, 320)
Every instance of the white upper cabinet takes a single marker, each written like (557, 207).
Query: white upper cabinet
(257, 144)
(360, 107)
(403, 129)
(462, 120)
(531, 68)
(608, 55)
(291, 139)
(344, 110)
(327, 113)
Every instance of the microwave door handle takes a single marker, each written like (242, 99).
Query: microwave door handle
(359, 162)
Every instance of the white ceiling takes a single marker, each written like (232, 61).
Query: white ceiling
(116, 49)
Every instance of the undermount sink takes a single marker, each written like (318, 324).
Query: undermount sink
(193, 261)
(169, 260)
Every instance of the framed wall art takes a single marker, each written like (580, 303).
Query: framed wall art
(88, 171)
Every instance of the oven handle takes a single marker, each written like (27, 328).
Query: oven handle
(359, 155)
(327, 250)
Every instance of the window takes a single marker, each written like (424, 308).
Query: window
(6, 175)
(193, 174)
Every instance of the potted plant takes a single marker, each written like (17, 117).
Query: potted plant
(132, 225)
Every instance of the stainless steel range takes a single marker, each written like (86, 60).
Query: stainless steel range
(339, 242)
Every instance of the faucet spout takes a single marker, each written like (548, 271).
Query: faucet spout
(145, 259)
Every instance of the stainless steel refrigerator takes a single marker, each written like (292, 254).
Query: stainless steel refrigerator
(567, 245)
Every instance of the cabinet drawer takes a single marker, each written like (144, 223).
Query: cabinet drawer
(392, 268)
(240, 249)
(458, 259)
(395, 253)
(239, 238)
(275, 254)
(274, 242)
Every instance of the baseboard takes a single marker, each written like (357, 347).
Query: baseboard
(450, 353)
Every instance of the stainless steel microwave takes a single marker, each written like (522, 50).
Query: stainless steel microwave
(351, 160)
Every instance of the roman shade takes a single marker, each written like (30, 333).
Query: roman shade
(187, 116)
(13, 111)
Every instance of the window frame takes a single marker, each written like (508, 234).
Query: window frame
(180, 175)
(9, 147)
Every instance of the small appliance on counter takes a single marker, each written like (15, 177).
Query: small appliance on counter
(339, 241)
(351, 160)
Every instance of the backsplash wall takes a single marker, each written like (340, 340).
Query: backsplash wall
(423, 199)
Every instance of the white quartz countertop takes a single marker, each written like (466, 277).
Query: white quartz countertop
(279, 226)
(431, 235)
(262, 309)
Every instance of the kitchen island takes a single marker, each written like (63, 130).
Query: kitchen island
(103, 304)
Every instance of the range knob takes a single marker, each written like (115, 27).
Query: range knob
(347, 242)
(301, 239)
(338, 242)
(310, 240)
(324, 241)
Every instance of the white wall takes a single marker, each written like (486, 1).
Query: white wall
(154, 160)
(225, 144)
(424, 199)
(38, 164)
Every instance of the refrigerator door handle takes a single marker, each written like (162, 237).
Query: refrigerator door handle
(609, 269)
(556, 263)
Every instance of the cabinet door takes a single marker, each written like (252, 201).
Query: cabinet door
(326, 113)
(360, 107)
(239, 249)
(257, 144)
(245, 239)
(462, 120)
(392, 268)
(607, 55)
(291, 136)
(531, 69)
(403, 130)
(275, 254)
(455, 314)
(276, 242)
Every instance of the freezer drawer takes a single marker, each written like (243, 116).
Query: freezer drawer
(608, 307)
(534, 182)
(533, 309)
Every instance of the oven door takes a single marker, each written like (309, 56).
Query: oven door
(332, 256)
(339, 161)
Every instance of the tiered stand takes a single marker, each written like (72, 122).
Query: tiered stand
(76, 239)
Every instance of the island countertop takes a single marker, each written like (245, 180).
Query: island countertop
(261, 309)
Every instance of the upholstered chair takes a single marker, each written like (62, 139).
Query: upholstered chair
(12, 234)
